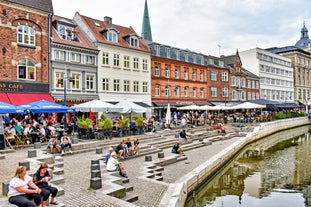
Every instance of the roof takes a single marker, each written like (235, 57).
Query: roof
(43, 5)
(280, 50)
(97, 27)
(304, 41)
(146, 28)
(83, 40)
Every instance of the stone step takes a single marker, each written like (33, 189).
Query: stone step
(60, 192)
(128, 187)
(158, 178)
(58, 164)
(57, 179)
(130, 197)
(5, 203)
(58, 171)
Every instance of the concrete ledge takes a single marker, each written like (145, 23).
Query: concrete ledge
(25, 163)
(148, 158)
(37, 145)
(32, 153)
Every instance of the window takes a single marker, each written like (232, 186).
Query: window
(26, 35)
(105, 84)
(202, 92)
(59, 77)
(224, 76)
(116, 85)
(194, 75)
(249, 84)
(213, 92)
(126, 61)
(157, 50)
(201, 76)
(116, 60)
(167, 90)
(134, 42)
(145, 87)
(186, 57)
(242, 82)
(168, 52)
(135, 62)
(157, 90)
(249, 96)
(194, 92)
(225, 92)
(186, 92)
(75, 81)
(157, 71)
(112, 36)
(67, 32)
(177, 91)
(145, 64)
(75, 57)
(233, 81)
(89, 82)
(59, 55)
(90, 59)
(177, 54)
(26, 70)
(186, 74)
(105, 58)
(126, 86)
(213, 76)
(167, 72)
(176, 73)
(136, 86)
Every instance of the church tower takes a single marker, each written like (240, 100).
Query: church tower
(146, 29)
(304, 41)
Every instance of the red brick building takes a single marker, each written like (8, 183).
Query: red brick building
(24, 47)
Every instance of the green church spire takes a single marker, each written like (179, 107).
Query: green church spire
(146, 29)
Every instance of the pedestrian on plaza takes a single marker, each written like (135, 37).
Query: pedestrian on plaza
(22, 190)
(114, 165)
(108, 155)
(65, 141)
(41, 179)
(177, 148)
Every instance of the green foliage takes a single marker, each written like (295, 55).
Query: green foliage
(84, 123)
(103, 117)
(105, 124)
(139, 120)
(123, 123)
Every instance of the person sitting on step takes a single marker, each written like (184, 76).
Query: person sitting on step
(114, 165)
(184, 135)
(65, 142)
(177, 148)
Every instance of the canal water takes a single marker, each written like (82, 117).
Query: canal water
(272, 172)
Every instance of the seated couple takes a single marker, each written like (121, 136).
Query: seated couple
(114, 165)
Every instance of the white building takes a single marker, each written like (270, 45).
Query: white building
(275, 72)
(124, 61)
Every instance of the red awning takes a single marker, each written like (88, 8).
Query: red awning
(4, 98)
(24, 98)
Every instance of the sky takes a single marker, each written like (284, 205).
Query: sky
(210, 27)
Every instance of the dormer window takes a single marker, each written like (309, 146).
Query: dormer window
(67, 33)
(134, 41)
(112, 36)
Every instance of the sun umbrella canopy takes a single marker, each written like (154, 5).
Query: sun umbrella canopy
(189, 107)
(248, 105)
(11, 109)
(168, 115)
(130, 107)
(44, 106)
(97, 106)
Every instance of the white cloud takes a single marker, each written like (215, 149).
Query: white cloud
(201, 25)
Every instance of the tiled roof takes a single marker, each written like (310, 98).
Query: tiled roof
(97, 26)
(83, 41)
(43, 5)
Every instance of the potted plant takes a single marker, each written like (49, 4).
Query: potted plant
(84, 124)
(106, 125)
(139, 123)
(124, 125)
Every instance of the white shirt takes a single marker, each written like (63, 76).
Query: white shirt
(16, 182)
(112, 164)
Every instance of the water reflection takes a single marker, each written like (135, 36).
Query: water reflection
(266, 173)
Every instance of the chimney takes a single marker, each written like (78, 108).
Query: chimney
(108, 20)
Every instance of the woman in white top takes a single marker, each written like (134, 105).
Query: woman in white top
(22, 190)
(114, 165)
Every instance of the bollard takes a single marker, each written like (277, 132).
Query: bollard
(96, 183)
(74, 140)
(37, 145)
(148, 158)
(24, 163)
(192, 132)
(32, 153)
(99, 150)
(95, 173)
(94, 162)
(5, 188)
(95, 167)
(160, 154)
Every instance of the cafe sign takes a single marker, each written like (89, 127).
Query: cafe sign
(10, 86)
